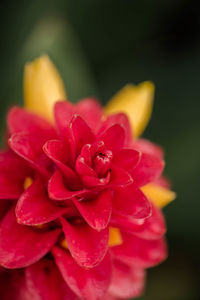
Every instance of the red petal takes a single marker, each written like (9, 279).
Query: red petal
(123, 121)
(34, 206)
(130, 201)
(119, 177)
(28, 148)
(150, 228)
(87, 284)
(13, 172)
(148, 169)
(20, 120)
(127, 282)
(97, 211)
(81, 132)
(87, 246)
(127, 159)
(113, 137)
(63, 112)
(56, 151)
(20, 245)
(44, 281)
(141, 253)
(90, 110)
(57, 189)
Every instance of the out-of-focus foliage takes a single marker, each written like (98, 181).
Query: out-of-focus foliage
(101, 45)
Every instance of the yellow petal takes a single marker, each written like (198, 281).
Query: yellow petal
(136, 102)
(115, 237)
(43, 86)
(159, 195)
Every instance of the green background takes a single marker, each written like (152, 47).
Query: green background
(99, 46)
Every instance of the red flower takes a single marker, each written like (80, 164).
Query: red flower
(76, 219)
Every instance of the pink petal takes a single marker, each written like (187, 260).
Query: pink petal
(113, 137)
(81, 132)
(82, 167)
(11, 180)
(154, 226)
(96, 211)
(148, 169)
(140, 253)
(148, 147)
(20, 245)
(57, 189)
(130, 201)
(34, 207)
(20, 120)
(127, 282)
(44, 281)
(93, 181)
(29, 149)
(87, 284)
(87, 246)
(127, 159)
(90, 110)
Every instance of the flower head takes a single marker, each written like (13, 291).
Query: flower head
(81, 195)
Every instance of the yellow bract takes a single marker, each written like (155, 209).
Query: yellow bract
(43, 86)
(159, 195)
(136, 102)
(115, 237)
(27, 182)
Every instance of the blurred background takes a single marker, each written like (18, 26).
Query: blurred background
(99, 46)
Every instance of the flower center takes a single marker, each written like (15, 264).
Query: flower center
(102, 162)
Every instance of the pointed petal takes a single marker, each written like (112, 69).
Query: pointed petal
(20, 245)
(29, 149)
(113, 137)
(148, 147)
(81, 132)
(151, 228)
(20, 120)
(34, 207)
(43, 86)
(11, 180)
(91, 110)
(149, 169)
(57, 189)
(140, 253)
(136, 102)
(123, 121)
(87, 246)
(130, 201)
(119, 177)
(44, 281)
(87, 284)
(127, 159)
(127, 282)
(97, 211)
(159, 195)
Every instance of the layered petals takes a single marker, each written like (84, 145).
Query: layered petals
(35, 208)
(87, 246)
(87, 284)
(141, 253)
(127, 282)
(20, 245)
